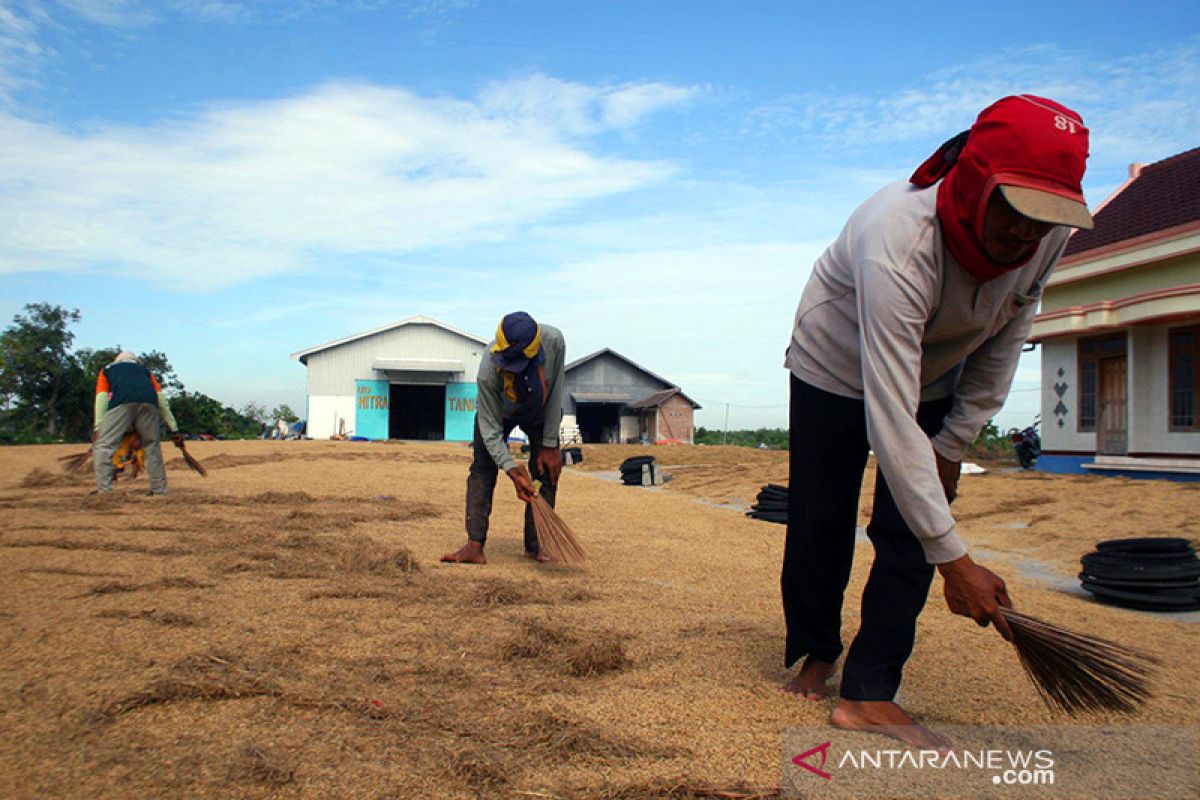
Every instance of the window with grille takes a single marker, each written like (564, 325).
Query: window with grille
(1184, 359)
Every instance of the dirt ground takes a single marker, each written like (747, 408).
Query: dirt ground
(283, 628)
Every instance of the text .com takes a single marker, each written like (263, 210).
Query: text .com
(1025, 777)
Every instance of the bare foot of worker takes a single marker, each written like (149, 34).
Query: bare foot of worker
(882, 716)
(541, 558)
(812, 680)
(469, 553)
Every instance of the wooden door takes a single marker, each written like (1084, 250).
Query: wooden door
(1112, 432)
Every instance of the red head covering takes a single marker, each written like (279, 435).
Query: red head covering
(1035, 148)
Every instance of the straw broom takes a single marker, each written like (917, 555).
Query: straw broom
(191, 460)
(77, 462)
(555, 537)
(1075, 672)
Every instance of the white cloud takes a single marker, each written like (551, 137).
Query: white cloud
(113, 13)
(244, 191)
(626, 105)
(217, 10)
(578, 108)
(1143, 103)
(21, 53)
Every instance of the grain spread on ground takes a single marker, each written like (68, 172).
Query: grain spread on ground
(283, 628)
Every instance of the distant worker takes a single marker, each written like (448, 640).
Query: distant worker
(520, 385)
(905, 342)
(128, 396)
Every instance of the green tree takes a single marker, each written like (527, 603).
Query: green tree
(772, 438)
(255, 411)
(47, 392)
(37, 368)
(991, 443)
(196, 413)
(161, 368)
(284, 412)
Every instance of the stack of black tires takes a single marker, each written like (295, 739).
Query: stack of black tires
(1151, 574)
(638, 471)
(771, 504)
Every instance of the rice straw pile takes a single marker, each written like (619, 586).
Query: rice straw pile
(1075, 672)
(555, 537)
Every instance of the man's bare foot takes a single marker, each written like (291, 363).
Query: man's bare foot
(469, 553)
(540, 557)
(812, 680)
(884, 716)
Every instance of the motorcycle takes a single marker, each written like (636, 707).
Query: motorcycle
(1027, 443)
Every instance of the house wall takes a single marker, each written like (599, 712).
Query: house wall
(607, 373)
(675, 420)
(1060, 429)
(629, 428)
(324, 411)
(1149, 379)
(1066, 448)
(334, 371)
(1179, 271)
(332, 374)
(648, 417)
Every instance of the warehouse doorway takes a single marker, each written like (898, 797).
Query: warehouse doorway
(599, 423)
(416, 412)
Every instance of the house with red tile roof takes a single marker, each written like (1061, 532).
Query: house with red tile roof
(1119, 329)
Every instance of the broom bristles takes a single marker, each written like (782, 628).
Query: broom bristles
(1075, 672)
(76, 462)
(191, 461)
(555, 537)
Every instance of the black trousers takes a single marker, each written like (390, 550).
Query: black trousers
(829, 448)
(481, 486)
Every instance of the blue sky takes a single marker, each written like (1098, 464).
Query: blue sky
(230, 182)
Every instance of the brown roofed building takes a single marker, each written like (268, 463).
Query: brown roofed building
(666, 416)
(1119, 329)
(609, 398)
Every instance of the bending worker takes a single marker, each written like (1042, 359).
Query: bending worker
(905, 341)
(520, 385)
(128, 396)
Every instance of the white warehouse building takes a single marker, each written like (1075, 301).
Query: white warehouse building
(412, 379)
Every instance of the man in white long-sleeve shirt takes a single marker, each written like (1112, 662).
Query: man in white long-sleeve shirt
(905, 342)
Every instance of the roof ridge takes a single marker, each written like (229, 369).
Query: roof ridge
(1158, 197)
(1186, 154)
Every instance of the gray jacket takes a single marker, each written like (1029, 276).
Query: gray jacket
(489, 401)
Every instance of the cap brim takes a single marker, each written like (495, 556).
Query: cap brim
(1048, 207)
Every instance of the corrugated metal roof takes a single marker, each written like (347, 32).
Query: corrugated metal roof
(418, 365)
(600, 397)
(581, 361)
(419, 319)
(658, 398)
